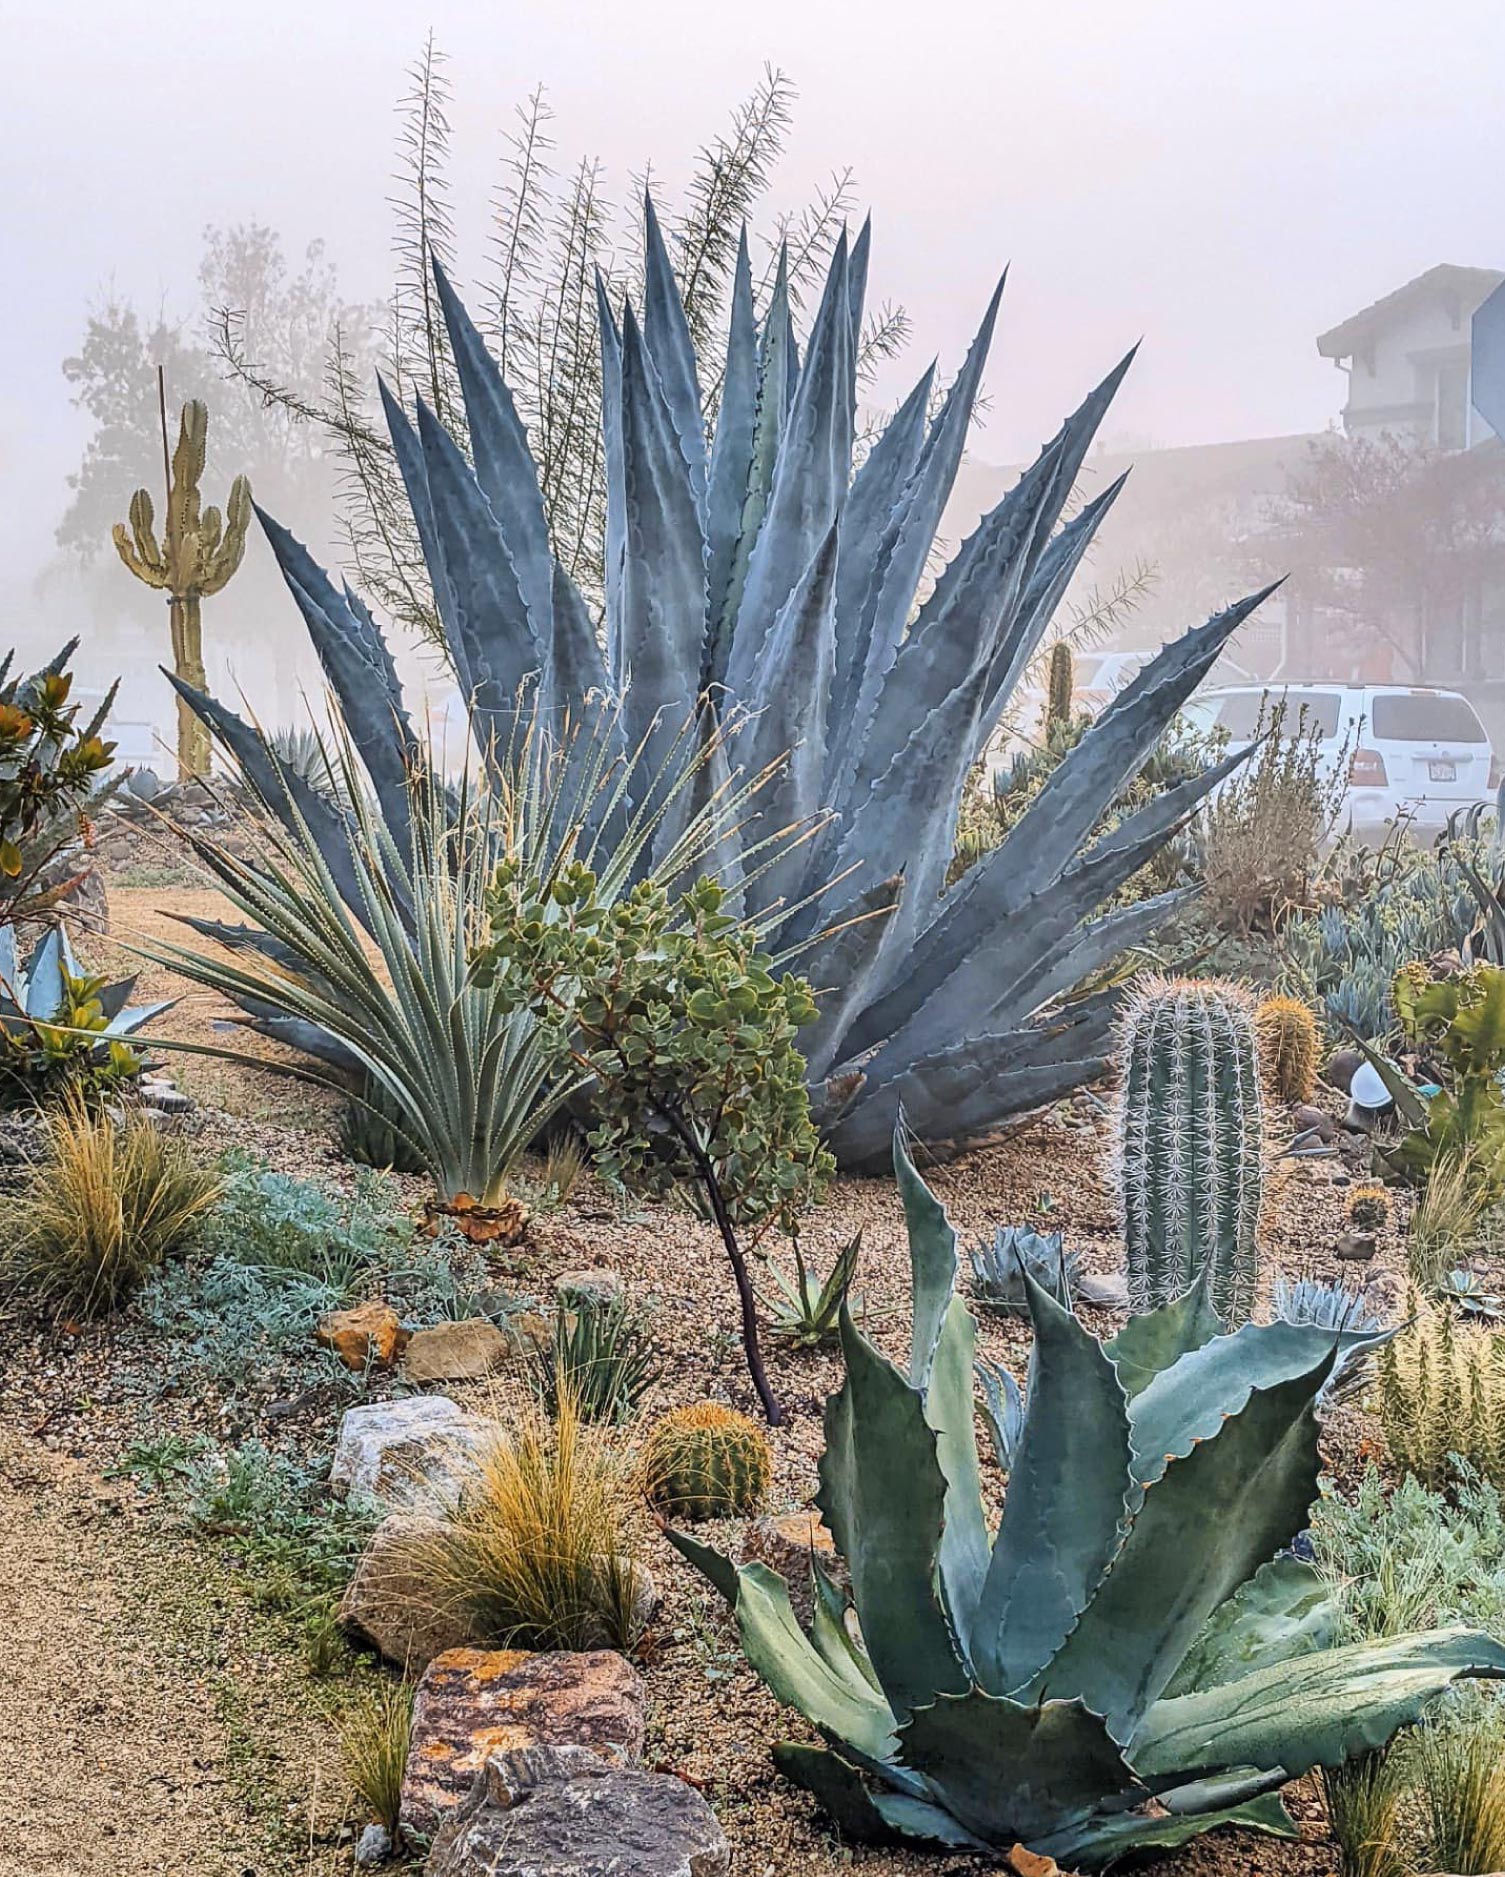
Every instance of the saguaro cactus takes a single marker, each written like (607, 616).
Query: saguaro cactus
(1191, 1142)
(198, 553)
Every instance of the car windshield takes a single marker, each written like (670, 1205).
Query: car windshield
(1426, 717)
(1244, 713)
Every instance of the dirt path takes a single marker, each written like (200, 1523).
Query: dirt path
(128, 1740)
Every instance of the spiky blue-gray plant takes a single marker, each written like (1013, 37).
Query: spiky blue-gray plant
(999, 1267)
(750, 564)
(1330, 1306)
(1129, 1657)
(1191, 1144)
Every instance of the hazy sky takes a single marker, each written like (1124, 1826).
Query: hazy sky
(1224, 181)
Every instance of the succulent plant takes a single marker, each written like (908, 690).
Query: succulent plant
(807, 1312)
(998, 1269)
(601, 1353)
(1330, 1307)
(1191, 1144)
(1131, 1632)
(46, 1000)
(1060, 685)
(754, 569)
(1368, 1208)
(705, 1461)
(200, 549)
(1286, 1029)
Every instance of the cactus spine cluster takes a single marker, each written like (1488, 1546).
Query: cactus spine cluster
(1191, 1144)
(1288, 1047)
(707, 1462)
(198, 552)
(1059, 687)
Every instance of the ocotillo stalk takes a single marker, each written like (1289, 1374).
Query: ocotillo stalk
(198, 553)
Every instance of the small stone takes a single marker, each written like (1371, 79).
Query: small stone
(400, 1454)
(600, 1287)
(1356, 1247)
(374, 1846)
(784, 1541)
(473, 1703)
(564, 1812)
(370, 1335)
(1307, 1119)
(391, 1600)
(466, 1351)
(1338, 1070)
(1107, 1290)
(164, 1098)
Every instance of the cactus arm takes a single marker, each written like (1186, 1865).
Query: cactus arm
(1067, 1498)
(1220, 1512)
(1317, 1710)
(224, 555)
(877, 1435)
(129, 552)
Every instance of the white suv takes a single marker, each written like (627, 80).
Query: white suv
(1410, 751)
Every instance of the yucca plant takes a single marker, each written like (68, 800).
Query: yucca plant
(105, 1207)
(601, 1355)
(752, 566)
(367, 913)
(1133, 1631)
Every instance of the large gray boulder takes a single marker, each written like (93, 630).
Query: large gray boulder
(403, 1455)
(392, 1601)
(565, 1812)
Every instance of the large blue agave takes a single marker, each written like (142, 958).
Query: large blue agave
(751, 566)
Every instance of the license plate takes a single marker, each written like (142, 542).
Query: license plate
(1443, 772)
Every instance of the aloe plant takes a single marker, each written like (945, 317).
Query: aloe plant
(1133, 1631)
(750, 564)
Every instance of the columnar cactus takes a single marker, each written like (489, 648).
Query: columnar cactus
(1288, 1047)
(1191, 1143)
(1059, 686)
(707, 1462)
(198, 553)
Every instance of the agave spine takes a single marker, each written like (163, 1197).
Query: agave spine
(1191, 1145)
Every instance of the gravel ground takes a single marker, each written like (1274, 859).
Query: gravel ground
(69, 1403)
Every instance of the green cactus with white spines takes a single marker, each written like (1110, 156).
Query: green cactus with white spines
(200, 549)
(1191, 1144)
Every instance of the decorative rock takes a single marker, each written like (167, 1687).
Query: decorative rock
(374, 1846)
(162, 1096)
(784, 1541)
(391, 1601)
(397, 1453)
(465, 1351)
(1108, 1290)
(369, 1335)
(1338, 1070)
(473, 1703)
(1356, 1247)
(599, 1286)
(563, 1812)
(1306, 1119)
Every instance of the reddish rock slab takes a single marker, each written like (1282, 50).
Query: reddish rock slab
(475, 1703)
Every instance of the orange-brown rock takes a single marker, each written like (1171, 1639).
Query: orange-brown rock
(473, 1703)
(785, 1541)
(369, 1336)
(466, 1351)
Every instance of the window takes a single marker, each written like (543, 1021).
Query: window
(1244, 713)
(1426, 717)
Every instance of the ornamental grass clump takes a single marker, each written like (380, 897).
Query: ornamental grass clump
(375, 1736)
(1460, 1763)
(107, 1206)
(535, 1552)
(1133, 1655)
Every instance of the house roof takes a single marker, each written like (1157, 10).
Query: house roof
(1470, 284)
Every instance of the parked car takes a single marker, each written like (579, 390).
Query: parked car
(1409, 750)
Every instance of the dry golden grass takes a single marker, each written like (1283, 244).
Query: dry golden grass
(375, 1736)
(1363, 1806)
(1462, 1769)
(109, 1203)
(535, 1549)
(1445, 1224)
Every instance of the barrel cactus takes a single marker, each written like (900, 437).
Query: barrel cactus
(1191, 1144)
(707, 1462)
(1368, 1208)
(1288, 1045)
(1132, 1657)
(757, 565)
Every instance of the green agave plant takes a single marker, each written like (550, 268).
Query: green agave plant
(759, 565)
(363, 943)
(1132, 1657)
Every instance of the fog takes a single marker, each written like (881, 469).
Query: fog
(1221, 183)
